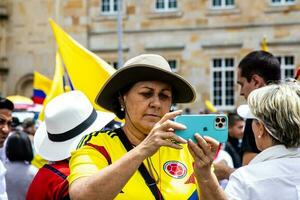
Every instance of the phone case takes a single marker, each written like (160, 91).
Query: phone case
(213, 125)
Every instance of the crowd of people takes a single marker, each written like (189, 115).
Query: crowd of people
(91, 156)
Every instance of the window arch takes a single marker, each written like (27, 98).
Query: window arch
(24, 86)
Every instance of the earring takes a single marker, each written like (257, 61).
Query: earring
(122, 108)
(259, 136)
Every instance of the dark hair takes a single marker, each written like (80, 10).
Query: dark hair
(18, 147)
(261, 63)
(116, 105)
(6, 104)
(15, 122)
(232, 118)
(28, 122)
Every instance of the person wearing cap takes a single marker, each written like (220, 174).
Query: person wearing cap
(6, 108)
(274, 173)
(68, 117)
(144, 159)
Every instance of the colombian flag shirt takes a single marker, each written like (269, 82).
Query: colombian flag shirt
(174, 168)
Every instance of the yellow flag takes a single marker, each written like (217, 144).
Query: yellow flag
(57, 86)
(86, 70)
(41, 87)
(210, 106)
(264, 46)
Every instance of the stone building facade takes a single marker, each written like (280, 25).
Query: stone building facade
(203, 39)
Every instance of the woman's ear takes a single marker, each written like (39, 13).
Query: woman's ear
(262, 130)
(121, 101)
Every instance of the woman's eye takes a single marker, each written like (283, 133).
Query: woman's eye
(164, 96)
(146, 94)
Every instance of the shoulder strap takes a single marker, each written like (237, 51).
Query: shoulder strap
(142, 169)
(56, 171)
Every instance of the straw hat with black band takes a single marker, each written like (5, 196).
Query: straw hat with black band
(145, 67)
(68, 117)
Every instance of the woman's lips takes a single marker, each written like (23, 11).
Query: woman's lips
(152, 115)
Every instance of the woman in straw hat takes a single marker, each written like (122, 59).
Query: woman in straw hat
(272, 174)
(144, 159)
(68, 117)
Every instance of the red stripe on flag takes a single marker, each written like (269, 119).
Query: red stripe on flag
(38, 100)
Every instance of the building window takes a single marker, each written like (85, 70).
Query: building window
(166, 5)
(109, 6)
(222, 4)
(282, 2)
(287, 66)
(173, 65)
(222, 89)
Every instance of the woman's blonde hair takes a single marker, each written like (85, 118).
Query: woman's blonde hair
(278, 107)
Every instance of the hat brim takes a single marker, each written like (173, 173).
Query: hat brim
(245, 112)
(55, 151)
(122, 78)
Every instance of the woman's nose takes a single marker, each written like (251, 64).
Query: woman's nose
(155, 101)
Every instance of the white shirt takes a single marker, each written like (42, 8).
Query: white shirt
(18, 177)
(3, 194)
(224, 156)
(273, 174)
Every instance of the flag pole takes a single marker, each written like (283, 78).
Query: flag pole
(57, 11)
(120, 34)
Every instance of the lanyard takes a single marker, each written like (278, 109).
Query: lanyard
(142, 169)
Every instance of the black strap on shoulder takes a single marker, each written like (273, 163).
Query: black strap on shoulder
(142, 169)
(56, 171)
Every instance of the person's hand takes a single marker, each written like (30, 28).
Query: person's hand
(163, 134)
(203, 152)
(222, 170)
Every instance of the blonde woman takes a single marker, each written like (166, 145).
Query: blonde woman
(272, 174)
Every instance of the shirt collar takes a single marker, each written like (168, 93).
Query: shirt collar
(275, 152)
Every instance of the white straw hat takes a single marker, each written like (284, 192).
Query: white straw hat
(68, 117)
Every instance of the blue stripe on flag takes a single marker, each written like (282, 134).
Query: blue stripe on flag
(39, 93)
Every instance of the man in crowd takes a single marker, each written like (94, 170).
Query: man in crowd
(256, 69)
(6, 108)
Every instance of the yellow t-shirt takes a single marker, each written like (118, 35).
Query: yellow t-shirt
(173, 167)
(38, 161)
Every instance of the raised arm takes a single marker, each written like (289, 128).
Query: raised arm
(109, 181)
(203, 153)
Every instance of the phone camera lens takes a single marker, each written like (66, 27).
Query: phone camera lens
(218, 120)
(220, 125)
(223, 120)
